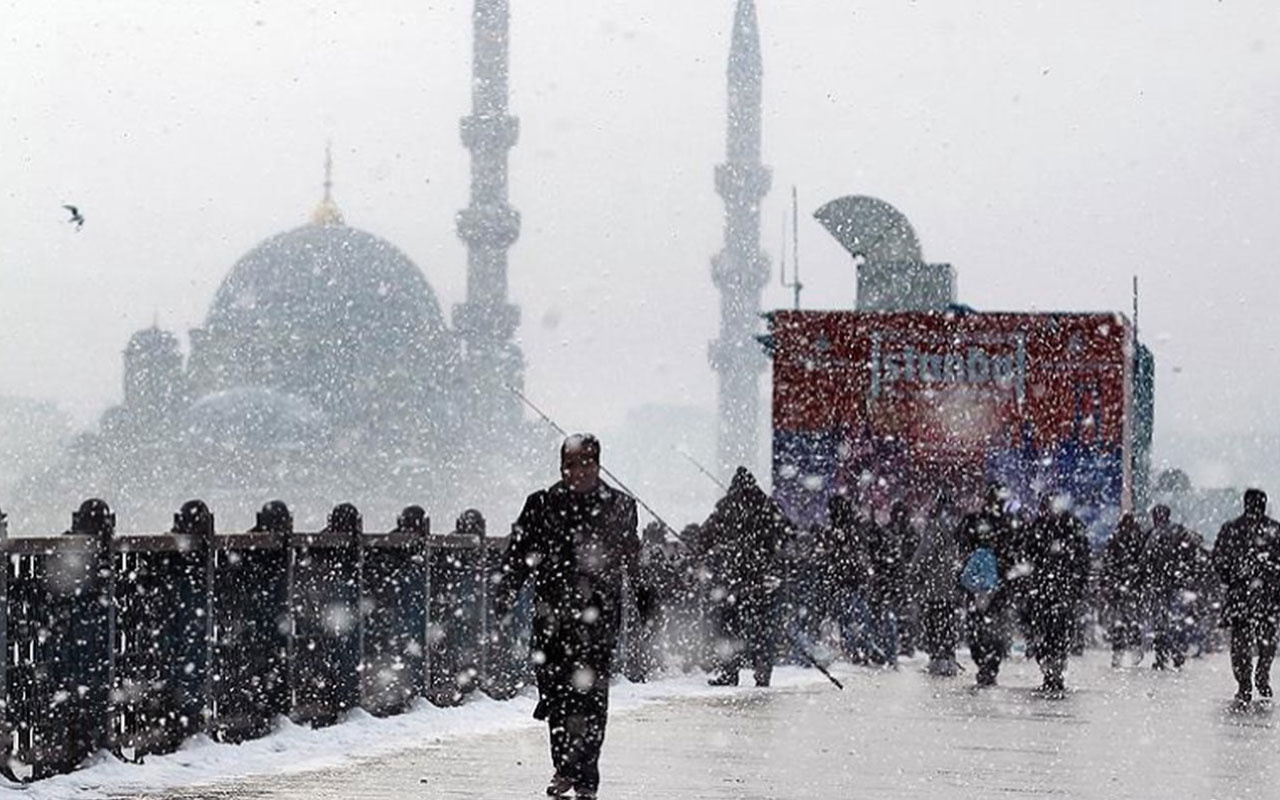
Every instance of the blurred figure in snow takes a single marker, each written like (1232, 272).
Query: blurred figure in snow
(747, 528)
(986, 542)
(1058, 556)
(1171, 561)
(935, 570)
(1122, 587)
(1246, 556)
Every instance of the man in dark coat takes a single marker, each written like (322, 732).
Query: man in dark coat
(577, 540)
(658, 577)
(886, 591)
(1171, 564)
(987, 614)
(1058, 556)
(935, 571)
(746, 528)
(846, 564)
(1246, 557)
(901, 540)
(1123, 587)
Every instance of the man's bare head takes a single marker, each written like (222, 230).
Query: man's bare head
(580, 462)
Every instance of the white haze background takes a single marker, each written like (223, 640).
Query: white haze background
(1049, 151)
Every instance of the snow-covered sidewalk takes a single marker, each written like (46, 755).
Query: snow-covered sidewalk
(294, 749)
(1128, 733)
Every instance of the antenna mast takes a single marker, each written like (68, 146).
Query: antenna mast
(795, 285)
(1135, 318)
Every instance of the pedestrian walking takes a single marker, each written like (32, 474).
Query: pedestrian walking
(1171, 563)
(847, 571)
(578, 543)
(1058, 557)
(901, 541)
(747, 528)
(1123, 589)
(1246, 556)
(935, 571)
(986, 545)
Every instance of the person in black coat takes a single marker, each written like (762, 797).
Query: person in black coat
(1246, 556)
(1057, 553)
(846, 564)
(746, 529)
(1123, 587)
(935, 572)
(987, 614)
(1171, 561)
(577, 541)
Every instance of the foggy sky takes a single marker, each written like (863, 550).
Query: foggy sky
(1049, 151)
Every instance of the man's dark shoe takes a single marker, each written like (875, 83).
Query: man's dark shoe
(1242, 699)
(723, 680)
(1264, 691)
(1053, 687)
(559, 786)
(986, 679)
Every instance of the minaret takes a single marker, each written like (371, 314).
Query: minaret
(740, 270)
(486, 322)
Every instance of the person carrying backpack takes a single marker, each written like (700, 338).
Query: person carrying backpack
(985, 539)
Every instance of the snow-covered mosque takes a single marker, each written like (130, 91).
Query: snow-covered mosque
(325, 370)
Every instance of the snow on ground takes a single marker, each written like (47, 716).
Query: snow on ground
(294, 748)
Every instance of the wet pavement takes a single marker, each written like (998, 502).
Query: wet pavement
(1129, 733)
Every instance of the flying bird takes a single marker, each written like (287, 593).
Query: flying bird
(76, 216)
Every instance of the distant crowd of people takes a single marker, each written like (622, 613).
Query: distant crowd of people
(746, 589)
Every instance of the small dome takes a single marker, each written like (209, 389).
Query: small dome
(254, 418)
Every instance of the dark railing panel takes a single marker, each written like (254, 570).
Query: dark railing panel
(324, 675)
(161, 652)
(250, 682)
(507, 666)
(395, 621)
(59, 656)
(455, 627)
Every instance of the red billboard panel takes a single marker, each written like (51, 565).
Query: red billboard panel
(898, 406)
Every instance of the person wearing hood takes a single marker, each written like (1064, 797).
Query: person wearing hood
(746, 529)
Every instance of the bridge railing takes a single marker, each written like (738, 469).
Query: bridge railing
(133, 643)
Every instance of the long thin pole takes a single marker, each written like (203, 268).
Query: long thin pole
(795, 246)
(702, 469)
(1135, 310)
(794, 284)
(603, 468)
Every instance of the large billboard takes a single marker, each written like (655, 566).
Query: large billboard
(885, 406)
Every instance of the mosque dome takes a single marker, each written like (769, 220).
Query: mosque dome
(328, 313)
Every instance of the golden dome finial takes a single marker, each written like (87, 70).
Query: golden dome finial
(327, 212)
